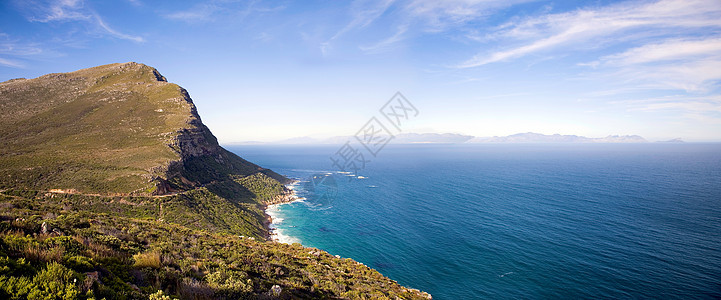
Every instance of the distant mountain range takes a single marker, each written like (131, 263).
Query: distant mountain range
(531, 137)
(452, 138)
(676, 140)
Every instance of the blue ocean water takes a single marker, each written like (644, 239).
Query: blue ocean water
(519, 221)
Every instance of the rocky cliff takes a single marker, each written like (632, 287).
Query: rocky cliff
(118, 128)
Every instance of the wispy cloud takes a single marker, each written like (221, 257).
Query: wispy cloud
(702, 108)
(703, 118)
(691, 106)
(200, 12)
(215, 10)
(387, 43)
(11, 63)
(10, 47)
(698, 76)
(689, 64)
(68, 11)
(441, 15)
(414, 17)
(364, 12)
(115, 33)
(668, 50)
(622, 21)
(61, 10)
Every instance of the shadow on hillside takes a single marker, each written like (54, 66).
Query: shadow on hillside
(232, 191)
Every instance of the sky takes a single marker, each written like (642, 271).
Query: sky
(270, 70)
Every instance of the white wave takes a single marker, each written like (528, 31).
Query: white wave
(271, 209)
(279, 236)
(310, 171)
(504, 274)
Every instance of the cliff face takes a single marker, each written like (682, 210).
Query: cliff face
(196, 139)
(118, 128)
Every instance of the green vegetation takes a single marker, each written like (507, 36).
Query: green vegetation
(93, 130)
(92, 254)
(115, 128)
(121, 130)
(112, 188)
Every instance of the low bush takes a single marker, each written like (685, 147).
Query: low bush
(147, 260)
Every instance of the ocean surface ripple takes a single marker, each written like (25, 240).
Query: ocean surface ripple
(520, 221)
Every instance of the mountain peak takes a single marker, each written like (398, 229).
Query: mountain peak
(116, 128)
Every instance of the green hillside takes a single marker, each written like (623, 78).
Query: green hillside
(118, 128)
(112, 187)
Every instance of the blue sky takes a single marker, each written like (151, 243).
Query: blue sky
(269, 70)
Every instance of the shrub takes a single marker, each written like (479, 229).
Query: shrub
(15, 287)
(70, 244)
(11, 267)
(192, 289)
(147, 260)
(55, 282)
(159, 295)
(109, 240)
(73, 221)
(17, 242)
(98, 250)
(79, 263)
(230, 283)
(41, 254)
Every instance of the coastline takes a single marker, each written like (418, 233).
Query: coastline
(276, 234)
(271, 210)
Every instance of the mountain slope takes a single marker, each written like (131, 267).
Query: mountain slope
(112, 187)
(119, 128)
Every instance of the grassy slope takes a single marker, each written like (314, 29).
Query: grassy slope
(121, 130)
(92, 130)
(113, 134)
(108, 129)
(120, 251)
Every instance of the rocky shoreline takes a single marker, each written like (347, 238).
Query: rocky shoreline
(288, 196)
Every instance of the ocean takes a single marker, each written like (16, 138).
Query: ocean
(510, 221)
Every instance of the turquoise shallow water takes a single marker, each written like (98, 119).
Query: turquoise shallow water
(518, 221)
